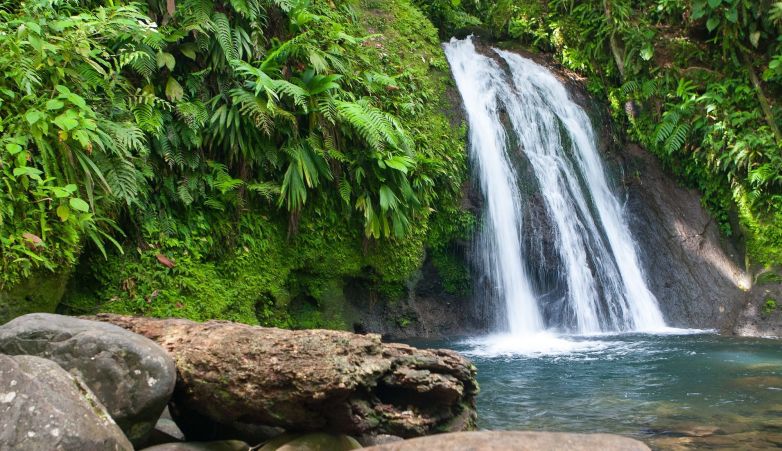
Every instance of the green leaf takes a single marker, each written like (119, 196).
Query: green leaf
(698, 9)
(33, 26)
(63, 212)
(54, 104)
(166, 59)
(647, 52)
(60, 192)
(33, 116)
(189, 50)
(174, 90)
(79, 205)
(77, 100)
(82, 137)
(67, 121)
(13, 148)
(732, 15)
(714, 3)
(712, 23)
(754, 38)
(400, 163)
(28, 171)
(62, 90)
(387, 198)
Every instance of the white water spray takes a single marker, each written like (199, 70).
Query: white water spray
(605, 289)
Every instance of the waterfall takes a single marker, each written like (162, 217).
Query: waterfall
(517, 109)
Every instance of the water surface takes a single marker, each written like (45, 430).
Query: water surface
(671, 391)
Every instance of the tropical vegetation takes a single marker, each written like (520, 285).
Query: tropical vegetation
(256, 159)
(698, 82)
(188, 133)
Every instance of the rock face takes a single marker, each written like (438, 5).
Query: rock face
(130, 374)
(41, 292)
(695, 274)
(426, 310)
(761, 315)
(312, 380)
(42, 407)
(517, 441)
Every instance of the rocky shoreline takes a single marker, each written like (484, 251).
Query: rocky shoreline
(109, 382)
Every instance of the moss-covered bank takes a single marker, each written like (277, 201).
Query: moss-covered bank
(249, 267)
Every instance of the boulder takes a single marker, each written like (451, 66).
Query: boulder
(312, 380)
(516, 441)
(222, 445)
(311, 442)
(130, 374)
(42, 407)
(165, 431)
(380, 439)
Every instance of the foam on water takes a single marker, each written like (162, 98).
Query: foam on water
(551, 344)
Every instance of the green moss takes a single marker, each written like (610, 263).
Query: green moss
(769, 307)
(250, 269)
(453, 272)
(40, 292)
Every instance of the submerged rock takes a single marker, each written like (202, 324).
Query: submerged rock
(130, 374)
(312, 380)
(516, 440)
(42, 407)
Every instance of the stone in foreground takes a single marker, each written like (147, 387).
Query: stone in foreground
(131, 375)
(223, 445)
(42, 408)
(516, 441)
(312, 380)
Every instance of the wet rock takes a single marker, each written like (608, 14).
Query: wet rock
(130, 374)
(516, 440)
(165, 431)
(42, 407)
(312, 380)
(222, 445)
(697, 276)
(698, 430)
(312, 442)
(380, 439)
(761, 315)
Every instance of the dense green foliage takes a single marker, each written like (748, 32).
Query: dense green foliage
(696, 81)
(240, 153)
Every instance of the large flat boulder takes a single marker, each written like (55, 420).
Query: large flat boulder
(515, 441)
(42, 407)
(130, 374)
(311, 380)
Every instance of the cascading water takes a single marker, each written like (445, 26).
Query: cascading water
(524, 107)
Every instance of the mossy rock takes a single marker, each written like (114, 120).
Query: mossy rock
(312, 442)
(39, 293)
